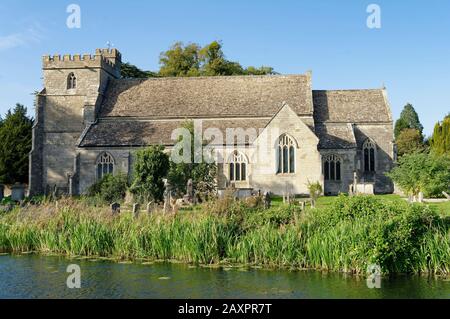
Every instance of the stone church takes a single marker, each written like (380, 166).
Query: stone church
(90, 122)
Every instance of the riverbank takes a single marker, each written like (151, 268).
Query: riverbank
(345, 235)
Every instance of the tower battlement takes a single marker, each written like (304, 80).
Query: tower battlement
(108, 59)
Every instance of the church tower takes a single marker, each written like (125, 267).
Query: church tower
(72, 94)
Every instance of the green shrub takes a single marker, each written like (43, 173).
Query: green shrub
(150, 167)
(111, 188)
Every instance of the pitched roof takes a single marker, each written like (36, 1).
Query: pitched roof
(119, 132)
(351, 106)
(336, 136)
(222, 96)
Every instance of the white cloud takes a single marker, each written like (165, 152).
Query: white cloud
(30, 36)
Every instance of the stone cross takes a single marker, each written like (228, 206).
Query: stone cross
(136, 210)
(115, 208)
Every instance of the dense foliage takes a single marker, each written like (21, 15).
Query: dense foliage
(440, 141)
(347, 236)
(111, 188)
(408, 119)
(193, 60)
(150, 168)
(422, 172)
(15, 145)
(130, 71)
(203, 174)
(409, 141)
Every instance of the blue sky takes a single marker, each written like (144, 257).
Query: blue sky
(410, 54)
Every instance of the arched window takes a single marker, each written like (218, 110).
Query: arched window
(71, 81)
(369, 156)
(238, 167)
(286, 155)
(332, 168)
(105, 165)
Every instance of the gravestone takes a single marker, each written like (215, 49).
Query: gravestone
(190, 191)
(136, 210)
(267, 200)
(167, 197)
(2, 192)
(115, 208)
(17, 192)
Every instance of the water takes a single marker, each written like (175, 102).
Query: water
(30, 276)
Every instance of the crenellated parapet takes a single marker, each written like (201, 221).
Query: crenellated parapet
(107, 59)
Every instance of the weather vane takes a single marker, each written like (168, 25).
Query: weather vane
(109, 45)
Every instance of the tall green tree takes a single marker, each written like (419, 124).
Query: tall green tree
(150, 168)
(180, 60)
(409, 141)
(193, 60)
(203, 174)
(15, 145)
(440, 140)
(408, 119)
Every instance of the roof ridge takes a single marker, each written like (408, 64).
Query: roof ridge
(348, 90)
(179, 78)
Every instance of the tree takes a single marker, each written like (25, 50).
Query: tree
(408, 119)
(440, 140)
(180, 60)
(15, 145)
(130, 71)
(203, 174)
(410, 140)
(193, 60)
(422, 172)
(151, 167)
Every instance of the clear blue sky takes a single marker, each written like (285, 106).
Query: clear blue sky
(410, 54)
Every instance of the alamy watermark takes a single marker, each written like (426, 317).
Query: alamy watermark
(74, 19)
(374, 276)
(74, 279)
(374, 19)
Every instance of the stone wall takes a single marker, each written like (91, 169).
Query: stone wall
(348, 166)
(383, 136)
(263, 158)
(64, 113)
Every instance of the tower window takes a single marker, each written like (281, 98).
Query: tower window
(369, 156)
(286, 155)
(332, 168)
(71, 81)
(105, 165)
(238, 167)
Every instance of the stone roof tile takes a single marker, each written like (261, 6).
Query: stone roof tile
(220, 96)
(351, 106)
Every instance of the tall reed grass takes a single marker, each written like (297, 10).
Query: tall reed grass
(347, 236)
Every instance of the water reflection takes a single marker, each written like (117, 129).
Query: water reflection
(29, 276)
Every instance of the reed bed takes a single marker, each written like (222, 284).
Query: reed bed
(347, 236)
